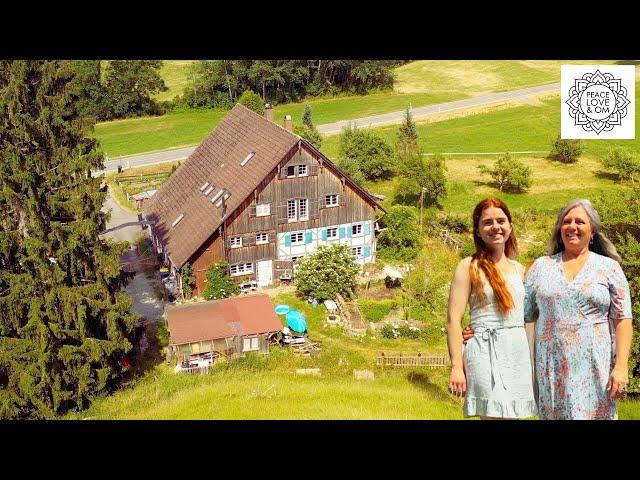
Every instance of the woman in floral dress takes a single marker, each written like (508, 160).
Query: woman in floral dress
(579, 298)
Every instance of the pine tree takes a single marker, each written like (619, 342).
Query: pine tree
(307, 119)
(407, 143)
(64, 323)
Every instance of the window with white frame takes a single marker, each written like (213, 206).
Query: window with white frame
(332, 233)
(297, 238)
(356, 229)
(356, 252)
(304, 208)
(235, 242)
(241, 269)
(250, 343)
(291, 171)
(331, 200)
(298, 210)
(263, 209)
(262, 237)
(296, 258)
(292, 210)
(302, 170)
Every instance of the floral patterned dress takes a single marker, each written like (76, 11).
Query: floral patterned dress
(575, 341)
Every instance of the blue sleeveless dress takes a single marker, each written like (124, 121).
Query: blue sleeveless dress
(497, 359)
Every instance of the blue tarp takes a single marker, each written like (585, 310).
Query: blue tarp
(296, 321)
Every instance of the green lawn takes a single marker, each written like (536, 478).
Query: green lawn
(519, 128)
(173, 130)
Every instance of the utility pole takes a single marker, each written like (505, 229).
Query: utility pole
(424, 189)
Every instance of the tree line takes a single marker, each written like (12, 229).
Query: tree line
(125, 88)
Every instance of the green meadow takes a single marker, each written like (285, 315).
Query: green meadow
(418, 83)
(267, 387)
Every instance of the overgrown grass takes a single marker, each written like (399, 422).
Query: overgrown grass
(119, 195)
(477, 76)
(176, 78)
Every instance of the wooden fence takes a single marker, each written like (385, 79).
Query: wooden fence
(410, 360)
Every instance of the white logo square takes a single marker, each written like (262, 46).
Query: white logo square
(598, 102)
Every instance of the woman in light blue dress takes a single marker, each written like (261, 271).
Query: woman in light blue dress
(495, 373)
(580, 300)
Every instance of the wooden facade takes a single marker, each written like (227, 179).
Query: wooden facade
(317, 181)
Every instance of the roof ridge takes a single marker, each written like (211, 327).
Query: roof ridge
(267, 120)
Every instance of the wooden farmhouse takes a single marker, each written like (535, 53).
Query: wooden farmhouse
(259, 197)
(222, 328)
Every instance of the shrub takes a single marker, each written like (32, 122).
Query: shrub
(401, 235)
(376, 310)
(252, 101)
(219, 283)
(188, 281)
(326, 272)
(626, 165)
(509, 174)
(372, 155)
(566, 151)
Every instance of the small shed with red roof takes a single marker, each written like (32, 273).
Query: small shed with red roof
(222, 328)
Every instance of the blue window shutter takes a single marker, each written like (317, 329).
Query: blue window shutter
(308, 237)
(349, 231)
(367, 229)
(342, 232)
(324, 234)
(287, 240)
(367, 251)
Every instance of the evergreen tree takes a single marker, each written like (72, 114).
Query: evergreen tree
(308, 130)
(64, 323)
(422, 179)
(87, 86)
(407, 143)
(307, 119)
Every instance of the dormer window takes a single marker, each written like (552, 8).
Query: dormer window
(206, 184)
(208, 190)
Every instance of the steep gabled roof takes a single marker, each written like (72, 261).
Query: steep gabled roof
(184, 218)
(216, 161)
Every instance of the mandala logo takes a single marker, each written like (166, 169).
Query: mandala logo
(597, 102)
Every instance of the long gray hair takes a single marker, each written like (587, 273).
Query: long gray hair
(600, 244)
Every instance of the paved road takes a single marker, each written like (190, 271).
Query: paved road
(121, 227)
(419, 113)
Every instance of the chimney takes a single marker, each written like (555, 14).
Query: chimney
(268, 112)
(288, 123)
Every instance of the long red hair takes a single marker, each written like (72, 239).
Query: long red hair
(481, 259)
